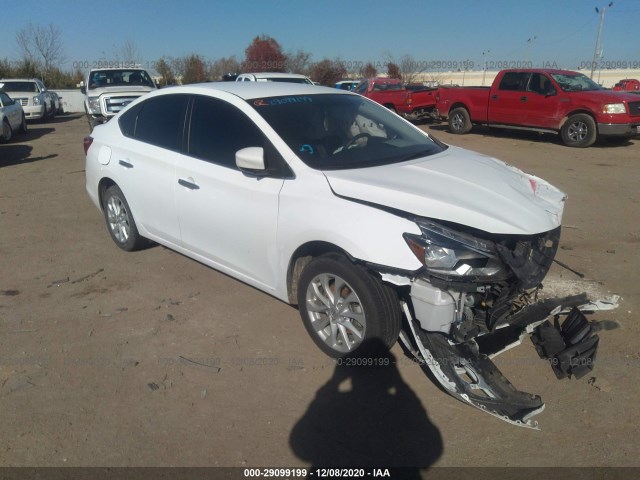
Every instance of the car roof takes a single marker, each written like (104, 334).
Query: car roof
(274, 75)
(20, 80)
(251, 90)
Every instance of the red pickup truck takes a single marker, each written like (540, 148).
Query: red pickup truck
(391, 92)
(627, 85)
(558, 101)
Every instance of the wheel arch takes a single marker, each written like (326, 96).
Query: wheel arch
(103, 185)
(576, 112)
(301, 257)
(459, 105)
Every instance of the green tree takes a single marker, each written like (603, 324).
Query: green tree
(194, 70)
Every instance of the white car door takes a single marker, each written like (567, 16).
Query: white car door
(145, 162)
(226, 216)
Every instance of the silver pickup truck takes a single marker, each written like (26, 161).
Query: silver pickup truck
(109, 90)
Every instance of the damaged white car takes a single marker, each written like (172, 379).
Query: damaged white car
(376, 230)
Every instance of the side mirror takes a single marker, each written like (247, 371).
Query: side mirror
(551, 93)
(251, 160)
(83, 89)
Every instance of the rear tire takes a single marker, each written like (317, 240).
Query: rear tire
(459, 121)
(579, 131)
(120, 223)
(347, 311)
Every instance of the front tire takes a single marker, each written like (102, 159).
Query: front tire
(347, 311)
(459, 121)
(120, 223)
(579, 131)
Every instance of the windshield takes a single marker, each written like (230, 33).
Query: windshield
(20, 87)
(334, 132)
(119, 78)
(576, 82)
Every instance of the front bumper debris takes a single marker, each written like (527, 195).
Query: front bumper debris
(466, 372)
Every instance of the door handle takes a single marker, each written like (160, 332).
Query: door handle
(188, 184)
(523, 98)
(125, 163)
(494, 97)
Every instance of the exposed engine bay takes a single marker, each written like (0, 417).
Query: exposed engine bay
(479, 295)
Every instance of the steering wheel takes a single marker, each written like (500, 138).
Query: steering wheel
(353, 140)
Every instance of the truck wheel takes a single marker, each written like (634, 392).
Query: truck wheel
(579, 131)
(347, 311)
(92, 123)
(459, 121)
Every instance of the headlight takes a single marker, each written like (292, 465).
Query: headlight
(36, 100)
(445, 251)
(614, 108)
(94, 105)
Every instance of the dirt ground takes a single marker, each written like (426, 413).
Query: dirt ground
(110, 358)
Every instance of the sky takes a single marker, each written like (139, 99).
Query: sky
(436, 34)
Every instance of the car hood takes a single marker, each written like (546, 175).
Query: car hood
(605, 96)
(141, 89)
(458, 186)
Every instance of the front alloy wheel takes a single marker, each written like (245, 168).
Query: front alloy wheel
(579, 131)
(346, 310)
(335, 312)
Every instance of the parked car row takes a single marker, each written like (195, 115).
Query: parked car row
(37, 101)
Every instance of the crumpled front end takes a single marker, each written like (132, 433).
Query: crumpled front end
(477, 296)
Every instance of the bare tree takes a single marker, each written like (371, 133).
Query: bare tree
(130, 53)
(298, 62)
(223, 66)
(41, 45)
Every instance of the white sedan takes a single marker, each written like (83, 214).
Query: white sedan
(328, 201)
(12, 117)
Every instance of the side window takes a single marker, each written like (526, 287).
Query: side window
(218, 130)
(362, 88)
(514, 81)
(127, 120)
(160, 121)
(540, 83)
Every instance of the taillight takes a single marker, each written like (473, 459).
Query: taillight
(88, 140)
(409, 99)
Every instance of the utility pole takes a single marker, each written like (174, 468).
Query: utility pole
(485, 54)
(597, 51)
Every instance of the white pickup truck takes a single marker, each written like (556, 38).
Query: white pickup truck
(109, 90)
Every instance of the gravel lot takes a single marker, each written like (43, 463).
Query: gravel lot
(110, 358)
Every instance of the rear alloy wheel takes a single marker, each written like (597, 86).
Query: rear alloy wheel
(579, 131)
(459, 121)
(120, 222)
(347, 311)
(7, 132)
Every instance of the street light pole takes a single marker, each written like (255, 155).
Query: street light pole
(598, 49)
(484, 72)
